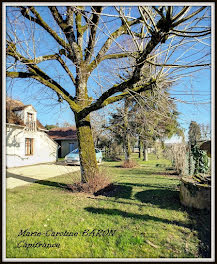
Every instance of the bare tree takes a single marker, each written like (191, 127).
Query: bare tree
(83, 38)
(98, 122)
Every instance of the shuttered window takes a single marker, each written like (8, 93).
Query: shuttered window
(29, 146)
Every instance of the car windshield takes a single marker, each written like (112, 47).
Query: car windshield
(75, 151)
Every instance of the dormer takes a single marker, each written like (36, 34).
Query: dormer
(28, 114)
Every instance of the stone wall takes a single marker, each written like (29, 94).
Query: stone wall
(195, 195)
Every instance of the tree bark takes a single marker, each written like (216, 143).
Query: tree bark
(126, 149)
(145, 152)
(88, 163)
(126, 141)
(140, 147)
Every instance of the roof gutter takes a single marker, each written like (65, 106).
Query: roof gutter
(9, 124)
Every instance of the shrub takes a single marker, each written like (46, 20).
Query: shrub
(179, 157)
(113, 152)
(129, 164)
(95, 183)
(201, 160)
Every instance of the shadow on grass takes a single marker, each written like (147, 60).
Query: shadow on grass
(112, 159)
(114, 201)
(169, 199)
(150, 172)
(115, 212)
(163, 198)
(117, 191)
(53, 184)
(202, 224)
(161, 186)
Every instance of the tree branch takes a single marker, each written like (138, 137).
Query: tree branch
(119, 97)
(93, 29)
(19, 74)
(44, 58)
(61, 61)
(191, 36)
(177, 65)
(56, 15)
(79, 29)
(37, 74)
(42, 23)
(158, 11)
(188, 17)
(119, 55)
(106, 98)
(122, 30)
(182, 12)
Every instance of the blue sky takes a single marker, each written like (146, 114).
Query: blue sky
(195, 91)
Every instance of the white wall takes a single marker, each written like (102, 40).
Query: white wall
(23, 113)
(29, 109)
(45, 149)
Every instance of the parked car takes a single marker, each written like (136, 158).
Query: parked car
(73, 157)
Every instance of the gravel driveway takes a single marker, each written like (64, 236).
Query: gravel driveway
(25, 175)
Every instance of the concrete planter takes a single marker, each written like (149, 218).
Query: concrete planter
(195, 195)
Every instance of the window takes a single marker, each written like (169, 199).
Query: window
(29, 146)
(29, 117)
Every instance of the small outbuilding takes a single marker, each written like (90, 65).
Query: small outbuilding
(66, 138)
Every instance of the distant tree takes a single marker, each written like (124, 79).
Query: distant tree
(194, 133)
(205, 131)
(145, 117)
(97, 126)
(66, 124)
(48, 127)
(155, 117)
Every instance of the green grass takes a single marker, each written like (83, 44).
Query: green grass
(146, 213)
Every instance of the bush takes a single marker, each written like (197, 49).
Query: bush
(179, 157)
(113, 152)
(201, 160)
(95, 183)
(129, 164)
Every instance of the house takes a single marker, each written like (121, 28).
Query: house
(66, 138)
(27, 142)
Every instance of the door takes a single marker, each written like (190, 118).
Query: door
(59, 148)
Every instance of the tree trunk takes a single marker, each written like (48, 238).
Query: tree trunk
(126, 141)
(140, 147)
(88, 163)
(145, 152)
(126, 149)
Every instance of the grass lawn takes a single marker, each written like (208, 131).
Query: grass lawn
(146, 213)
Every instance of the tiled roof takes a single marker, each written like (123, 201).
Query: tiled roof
(20, 107)
(63, 133)
(206, 146)
(39, 125)
(11, 118)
